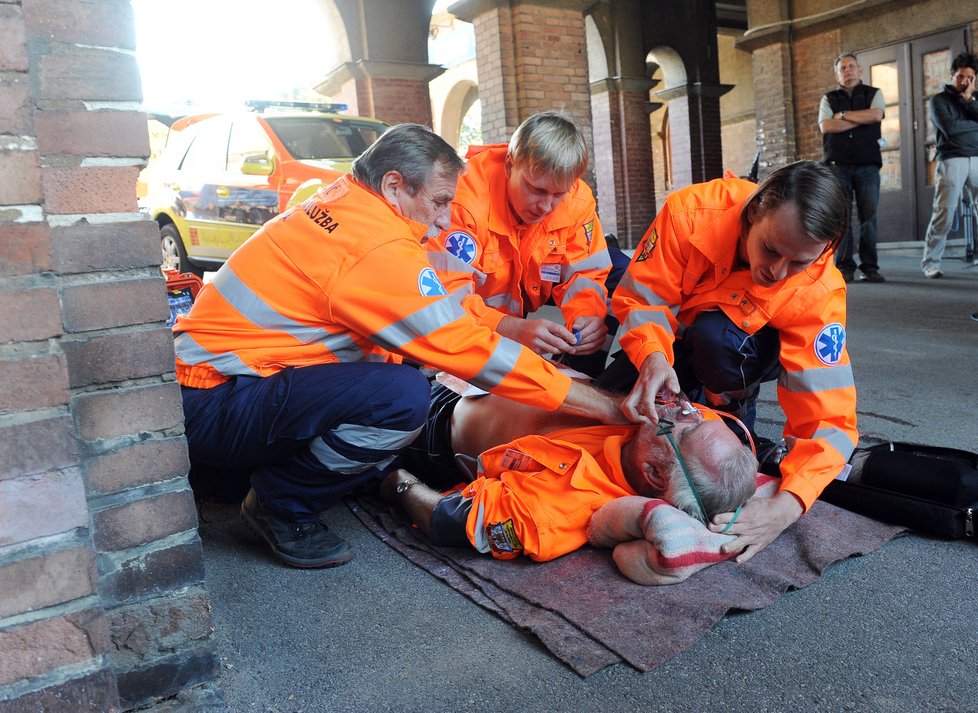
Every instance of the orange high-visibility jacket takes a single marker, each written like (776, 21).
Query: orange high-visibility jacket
(686, 265)
(343, 278)
(535, 495)
(511, 268)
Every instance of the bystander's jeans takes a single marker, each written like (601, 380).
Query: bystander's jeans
(952, 175)
(861, 180)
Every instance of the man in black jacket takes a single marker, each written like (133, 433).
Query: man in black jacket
(955, 115)
(849, 118)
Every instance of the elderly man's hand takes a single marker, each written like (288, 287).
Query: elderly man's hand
(541, 335)
(760, 522)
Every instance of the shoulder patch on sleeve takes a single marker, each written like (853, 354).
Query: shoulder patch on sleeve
(463, 246)
(649, 245)
(502, 537)
(588, 232)
(429, 285)
(829, 343)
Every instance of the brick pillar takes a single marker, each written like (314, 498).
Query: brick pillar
(531, 56)
(774, 99)
(624, 176)
(818, 53)
(395, 92)
(99, 553)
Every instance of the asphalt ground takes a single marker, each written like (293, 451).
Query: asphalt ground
(893, 631)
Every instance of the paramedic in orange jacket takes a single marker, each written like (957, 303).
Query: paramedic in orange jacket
(525, 230)
(733, 285)
(290, 359)
(535, 494)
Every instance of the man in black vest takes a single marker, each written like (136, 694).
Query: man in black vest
(849, 118)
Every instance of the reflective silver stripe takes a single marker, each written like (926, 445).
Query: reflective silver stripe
(582, 284)
(446, 262)
(345, 349)
(459, 293)
(500, 364)
(815, 380)
(597, 261)
(336, 462)
(649, 296)
(378, 439)
(640, 317)
(504, 301)
(229, 364)
(423, 322)
(838, 439)
(481, 543)
(256, 310)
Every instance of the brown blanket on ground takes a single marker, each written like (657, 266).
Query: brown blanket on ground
(584, 610)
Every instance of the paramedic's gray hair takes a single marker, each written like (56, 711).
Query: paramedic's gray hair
(549, 144)
(410, 149)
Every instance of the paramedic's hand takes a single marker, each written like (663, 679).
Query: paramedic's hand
(656, 373)
(541, 335)
(760, 522)
(593, 333)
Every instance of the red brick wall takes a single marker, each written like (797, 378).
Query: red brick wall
(98, 540)
(624, 171)
(775, 106)
(532, 58)
(817, 54)
(399, 101)
(496, 67)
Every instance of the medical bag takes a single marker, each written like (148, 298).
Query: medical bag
(181, 291)
(929, 489)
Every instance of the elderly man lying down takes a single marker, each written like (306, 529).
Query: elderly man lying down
(541, 476)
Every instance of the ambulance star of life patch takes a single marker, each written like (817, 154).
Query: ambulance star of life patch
(463, 246)
(429, 285)
(649, 246)
(502, 537)
(829, 343)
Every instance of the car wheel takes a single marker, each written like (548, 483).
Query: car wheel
(174, 255)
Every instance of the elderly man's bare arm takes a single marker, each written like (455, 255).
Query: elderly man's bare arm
(479, 424)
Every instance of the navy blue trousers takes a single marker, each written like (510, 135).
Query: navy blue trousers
(715, 356)
(307, 435)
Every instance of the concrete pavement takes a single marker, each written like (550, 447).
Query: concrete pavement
(892, 631)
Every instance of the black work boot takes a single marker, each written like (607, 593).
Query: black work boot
(299, 544)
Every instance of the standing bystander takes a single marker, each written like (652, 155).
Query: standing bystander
(849, 118)
(955, 115)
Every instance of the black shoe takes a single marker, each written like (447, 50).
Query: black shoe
(300, 544)
(847, 275)
(872, 277)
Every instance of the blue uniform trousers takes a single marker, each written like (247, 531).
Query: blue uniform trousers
(307, 435)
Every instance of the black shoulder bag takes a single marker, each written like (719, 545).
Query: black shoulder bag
(929, 489)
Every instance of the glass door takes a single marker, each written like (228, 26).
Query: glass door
(885, 69)
(909, 74)
(931, 70)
